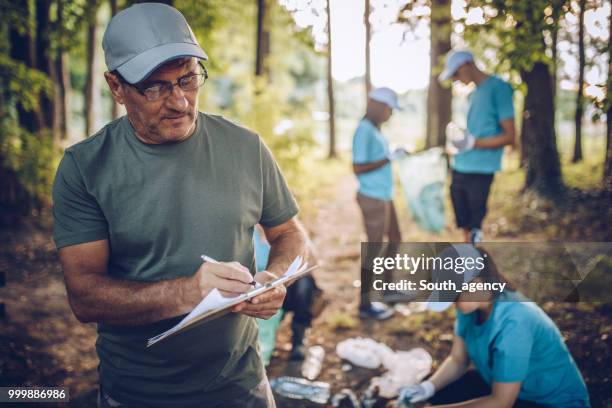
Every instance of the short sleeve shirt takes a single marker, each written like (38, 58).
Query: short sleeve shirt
(490, 104)
(519, 343)
(369, 145)
(160, 207)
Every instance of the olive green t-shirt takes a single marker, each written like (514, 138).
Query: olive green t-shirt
(160, 207)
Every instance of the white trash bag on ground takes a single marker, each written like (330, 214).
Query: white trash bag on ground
(362, 352)
(405, 368)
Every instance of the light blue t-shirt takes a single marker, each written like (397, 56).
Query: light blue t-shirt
(519, 342)
(489, 104)
(369, 145)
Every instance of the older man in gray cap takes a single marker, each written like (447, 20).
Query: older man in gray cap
(136, 204)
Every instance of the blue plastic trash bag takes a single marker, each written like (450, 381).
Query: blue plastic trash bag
(423, 176)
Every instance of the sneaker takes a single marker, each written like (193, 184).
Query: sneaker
(376, 310)
(476, 235)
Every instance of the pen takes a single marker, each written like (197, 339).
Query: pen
(207, 258)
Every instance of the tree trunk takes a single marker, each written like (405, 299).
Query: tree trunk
(330, 87)
(439, 99)
(92, 81)
(114, 105)
(368, 39)
(45, 63)
(64, 88)
(64, 94)
(263, 40)
(538, 134)
(607, 179)
(580, 94)
(557, 7)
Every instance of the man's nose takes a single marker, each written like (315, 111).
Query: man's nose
(177, 99)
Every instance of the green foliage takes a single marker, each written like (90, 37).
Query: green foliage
(29, 156)
(23, 84)
(32, 157)
(516, 32)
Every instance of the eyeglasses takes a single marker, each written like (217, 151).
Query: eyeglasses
(163, 89)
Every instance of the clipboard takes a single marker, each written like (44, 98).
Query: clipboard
(190, 321)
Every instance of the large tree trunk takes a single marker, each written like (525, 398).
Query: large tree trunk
(607, 179)
(92, 81)
(263, 40)
(330, 87)
(580, 94)
(368, 39)
(439, 99)
(538, 134)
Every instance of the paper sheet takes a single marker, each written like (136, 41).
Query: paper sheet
(214, 301)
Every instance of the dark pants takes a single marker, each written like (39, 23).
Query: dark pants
(470, 386)
(469, 194)
(299, 300)
(380, 221)
(259, 397)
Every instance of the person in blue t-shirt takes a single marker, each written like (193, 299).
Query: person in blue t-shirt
(478, 150)
(372, 166)
(519, 355)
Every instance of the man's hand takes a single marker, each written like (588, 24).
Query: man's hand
(230, 278)
(266, 305)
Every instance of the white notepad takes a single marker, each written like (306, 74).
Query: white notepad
(215, 305)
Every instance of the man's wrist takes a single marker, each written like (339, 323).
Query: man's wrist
(190, 293)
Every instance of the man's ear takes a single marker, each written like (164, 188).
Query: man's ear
(115, 86)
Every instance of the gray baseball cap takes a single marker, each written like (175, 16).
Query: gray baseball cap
(144, 36)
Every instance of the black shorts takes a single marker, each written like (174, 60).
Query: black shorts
(469, 193)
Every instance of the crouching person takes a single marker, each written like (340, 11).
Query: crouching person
(518, 353)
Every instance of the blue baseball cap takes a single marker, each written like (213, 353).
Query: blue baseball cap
(144, 36)
(454, 60)
(385, 95)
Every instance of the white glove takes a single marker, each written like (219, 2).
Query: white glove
(397, 154)
(417, 393)
(458, 140)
